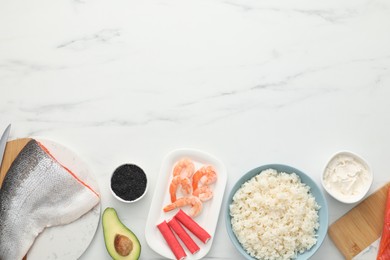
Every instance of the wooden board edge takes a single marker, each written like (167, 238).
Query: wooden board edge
(12, 150)
(333, 236)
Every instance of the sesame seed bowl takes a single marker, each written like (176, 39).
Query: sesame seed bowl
(128, 183)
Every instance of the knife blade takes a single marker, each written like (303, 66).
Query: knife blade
(3, 142)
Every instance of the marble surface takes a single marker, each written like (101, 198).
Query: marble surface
(251, 82)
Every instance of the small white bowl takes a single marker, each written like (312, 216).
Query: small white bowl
(128, 185)
(354, 162)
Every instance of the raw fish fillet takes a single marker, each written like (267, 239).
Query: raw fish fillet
(38, 192)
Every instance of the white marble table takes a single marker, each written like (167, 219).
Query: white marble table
(251, 82)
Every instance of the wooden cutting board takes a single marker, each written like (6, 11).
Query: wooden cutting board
(12, 150)
(361, 226)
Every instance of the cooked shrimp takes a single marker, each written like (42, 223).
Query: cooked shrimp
(206, 175)
(194, 202)
(204, 193)
(185, 168)
(177, 181)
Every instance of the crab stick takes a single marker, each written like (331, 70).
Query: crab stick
(192, 226)
(183, 235)
(172, 241)
(384, 247)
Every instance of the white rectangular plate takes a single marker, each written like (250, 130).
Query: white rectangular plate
(207, 219)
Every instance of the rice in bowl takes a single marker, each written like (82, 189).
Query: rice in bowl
(274, 215)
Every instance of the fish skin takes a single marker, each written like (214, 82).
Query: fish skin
(38, 192)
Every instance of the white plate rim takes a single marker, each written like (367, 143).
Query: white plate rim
(156, 214)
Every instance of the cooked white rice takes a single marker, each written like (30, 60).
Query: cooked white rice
(274, 216)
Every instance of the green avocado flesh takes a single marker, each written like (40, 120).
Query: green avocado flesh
(121, 243)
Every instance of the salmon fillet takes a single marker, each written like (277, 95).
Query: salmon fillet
(38, 192)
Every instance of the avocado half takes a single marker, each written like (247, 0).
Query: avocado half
(121, 242)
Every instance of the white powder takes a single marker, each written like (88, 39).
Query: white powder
(274, 216)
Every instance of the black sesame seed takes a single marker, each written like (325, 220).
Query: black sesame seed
(128, 182)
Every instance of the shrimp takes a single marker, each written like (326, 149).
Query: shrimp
(185, 168)
(206, 175)
(194, 202)
(177, 181)
(204, 193)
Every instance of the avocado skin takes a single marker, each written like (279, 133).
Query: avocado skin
(112, 226)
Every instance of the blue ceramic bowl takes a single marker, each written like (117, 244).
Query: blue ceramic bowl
(317, 193)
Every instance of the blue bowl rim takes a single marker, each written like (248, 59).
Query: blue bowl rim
(288, 169)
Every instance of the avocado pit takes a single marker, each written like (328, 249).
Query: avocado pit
(123, 245)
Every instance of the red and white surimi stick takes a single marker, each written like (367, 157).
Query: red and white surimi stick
(192, 226)
(173, 244)
(183, 235)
